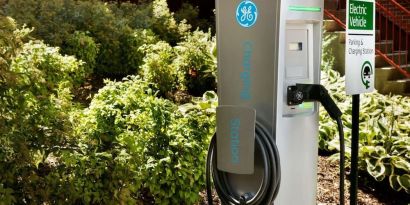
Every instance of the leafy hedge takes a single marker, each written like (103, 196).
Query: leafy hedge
(114, 28)
(81, 45)
(115, 40)
(191, 13)
(133, 141)
(189, 66)
(35, 107)
(127, 146)
(45, 136)
(384, 132)
(196, 62)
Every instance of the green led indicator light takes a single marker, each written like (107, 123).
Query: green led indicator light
(305, 8)
(306, 105)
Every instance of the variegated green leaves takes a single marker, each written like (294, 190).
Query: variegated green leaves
(384, 132)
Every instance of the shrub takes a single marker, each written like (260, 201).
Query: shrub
(84, 48)
(196, 62)
(55, 21)
(187, 12)
(107, 31)
(111, 26)
(165, 25)
(136, 16)
(189, 66)
(154, 15)
(47, 17)
(133, 52)
(35, 112)
(144, 143)
(11, 41)
(190, 14)
(158, 67)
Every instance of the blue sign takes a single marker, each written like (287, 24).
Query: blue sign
(247, 13)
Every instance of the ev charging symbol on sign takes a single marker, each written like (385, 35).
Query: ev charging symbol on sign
(247, 13)
(367, 72)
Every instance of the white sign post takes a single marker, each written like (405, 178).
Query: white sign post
(360, 46)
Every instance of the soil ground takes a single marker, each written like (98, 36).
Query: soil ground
(369, 193)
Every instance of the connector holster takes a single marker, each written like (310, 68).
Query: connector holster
(313, 92)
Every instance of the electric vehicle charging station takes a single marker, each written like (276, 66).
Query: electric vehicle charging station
(266, 146)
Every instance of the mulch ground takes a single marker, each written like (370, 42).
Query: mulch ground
(370, 192)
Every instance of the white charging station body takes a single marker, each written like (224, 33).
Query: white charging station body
(297, 126)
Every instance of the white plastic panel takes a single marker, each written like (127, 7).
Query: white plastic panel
(299, 67)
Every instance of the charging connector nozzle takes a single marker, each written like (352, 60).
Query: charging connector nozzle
(300, 93)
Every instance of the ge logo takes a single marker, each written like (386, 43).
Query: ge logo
(247, 13)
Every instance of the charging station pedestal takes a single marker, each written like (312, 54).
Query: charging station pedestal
(264, 46)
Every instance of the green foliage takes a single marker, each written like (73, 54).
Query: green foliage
(134, 46)
(128, 142)
(35, 107)
(158, 67)
(134, 15)
(384, 132)
(165, 25)
(190, 14)
(155, 16)
(384, 128)
(189, 66)
(187, 12)
(144, 142)
(196, 62)
(115, 28)
(84, 48)
(11, 41)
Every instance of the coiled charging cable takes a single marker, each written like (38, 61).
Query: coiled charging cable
(271, 174)
(271, 179)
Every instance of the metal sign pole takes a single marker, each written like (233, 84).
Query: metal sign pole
(355, 149)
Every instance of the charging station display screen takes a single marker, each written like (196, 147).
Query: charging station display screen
(295, 46)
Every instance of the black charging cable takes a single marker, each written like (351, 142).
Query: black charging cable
(313, 92)
(271, 174)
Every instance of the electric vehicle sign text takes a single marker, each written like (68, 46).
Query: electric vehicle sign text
(361, 15)
(246, 72)
(356, 47)
(234, 136)
(247, 13)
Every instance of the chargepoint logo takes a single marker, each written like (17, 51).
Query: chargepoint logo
(247, 13)
(234, 136)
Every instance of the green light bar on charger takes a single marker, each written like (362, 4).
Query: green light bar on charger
(307, 105)
(305, 8)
